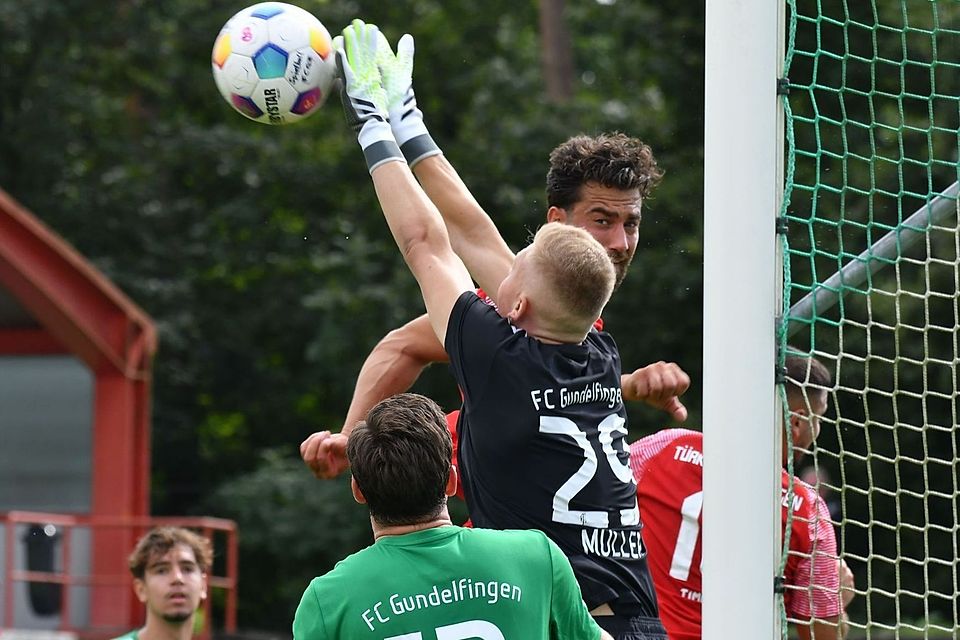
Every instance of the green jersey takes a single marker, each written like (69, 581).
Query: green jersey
(130, 635)
(448, 583)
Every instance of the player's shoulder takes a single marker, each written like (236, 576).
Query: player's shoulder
(599, 336)
(518, 545)
(485, 297)
(801, 488)
(473, 307)
(665, 437)
(349, 569)
(507, 536)
(656, 443)
(680, 445)
(806, 501)
(602, 342)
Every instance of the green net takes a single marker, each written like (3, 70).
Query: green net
(871, 289)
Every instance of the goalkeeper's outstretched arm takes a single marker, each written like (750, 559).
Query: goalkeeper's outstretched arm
(473, 235)
(414, 221)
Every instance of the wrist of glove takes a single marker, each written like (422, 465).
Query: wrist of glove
(411, 134)
(378, 144)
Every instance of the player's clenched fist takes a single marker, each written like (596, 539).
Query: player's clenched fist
(325, 454)
(660, 385)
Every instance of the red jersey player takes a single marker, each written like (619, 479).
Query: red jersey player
(668, 469)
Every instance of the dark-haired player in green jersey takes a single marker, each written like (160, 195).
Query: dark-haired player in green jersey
(423, 577)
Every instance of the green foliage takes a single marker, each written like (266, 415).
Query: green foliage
(260, 251)
(874, 95)
(292, 528)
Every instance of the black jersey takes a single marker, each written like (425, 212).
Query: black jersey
(542, 446)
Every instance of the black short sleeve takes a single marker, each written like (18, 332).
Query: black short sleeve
(474, 331)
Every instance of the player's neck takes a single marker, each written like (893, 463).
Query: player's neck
(557, 337)
(551, 335)
(381, 531)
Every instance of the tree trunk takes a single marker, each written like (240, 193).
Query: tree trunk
(556, 53)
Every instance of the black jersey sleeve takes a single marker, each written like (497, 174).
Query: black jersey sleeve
(474, 331)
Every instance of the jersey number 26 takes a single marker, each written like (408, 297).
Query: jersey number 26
(606, 430)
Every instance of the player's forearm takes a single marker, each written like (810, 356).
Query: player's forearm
(413, 219)
(844, 625)
(461, 213)
(473, 235)
(418, 230)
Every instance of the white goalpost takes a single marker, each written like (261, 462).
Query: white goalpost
(742, 287)
(832, 219)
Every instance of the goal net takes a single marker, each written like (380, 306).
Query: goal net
(871, 281)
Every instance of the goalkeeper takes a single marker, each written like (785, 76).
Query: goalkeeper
(541, 386)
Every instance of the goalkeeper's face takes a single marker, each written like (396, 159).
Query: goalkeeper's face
(611, 215)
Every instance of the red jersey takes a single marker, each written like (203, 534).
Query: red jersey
(811, 577)
(452, 418)
(668, 469)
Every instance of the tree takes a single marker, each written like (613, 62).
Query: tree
(259, 251)
(555, 51)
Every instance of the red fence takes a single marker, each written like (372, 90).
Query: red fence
(221, 533)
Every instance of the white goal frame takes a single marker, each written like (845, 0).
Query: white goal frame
(743, 157)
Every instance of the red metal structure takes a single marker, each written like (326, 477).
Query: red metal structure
(75, 310)
(225, 580)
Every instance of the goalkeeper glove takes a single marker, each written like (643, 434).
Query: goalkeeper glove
(364, 99)
(406, 119)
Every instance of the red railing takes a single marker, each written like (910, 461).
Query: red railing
(211, 528)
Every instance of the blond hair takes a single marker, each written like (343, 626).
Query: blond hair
(576, 273)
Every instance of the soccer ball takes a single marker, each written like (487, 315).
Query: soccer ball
(274, 63)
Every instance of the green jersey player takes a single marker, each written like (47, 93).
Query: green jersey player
(424, 578)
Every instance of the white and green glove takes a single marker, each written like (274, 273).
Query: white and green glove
(362, 93)
(406, 119)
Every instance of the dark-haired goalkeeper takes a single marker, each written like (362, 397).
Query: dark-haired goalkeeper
(543, 423)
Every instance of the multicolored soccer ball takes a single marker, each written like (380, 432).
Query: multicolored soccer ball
(274, 63)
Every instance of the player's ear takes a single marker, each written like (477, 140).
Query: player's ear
(556, 214)
(357, 494)
(520, 308)
(797, 419)
(140, 588)
(452, 481)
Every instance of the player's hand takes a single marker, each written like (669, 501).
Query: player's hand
(660, 385)
(362, 94)
(325, 454)
(396, 71)
(406, 119)
(847, 583)
(365, 98)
